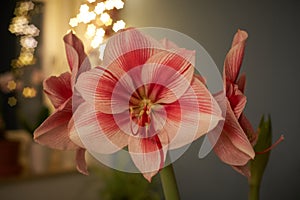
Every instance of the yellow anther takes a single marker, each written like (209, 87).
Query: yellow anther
(131, 110)
(141, 113)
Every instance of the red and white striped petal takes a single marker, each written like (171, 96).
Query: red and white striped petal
(96, 87)
(193, 115)
(129, 48)
(80, 161)
(87, 84)
(228, 152)
(234, 57)
(168, 44)
(237, 101)
(244, 170)
(240, 36)
(200, 78)
(248, 129)
(233, 146)
(241, 82)
(97, 131)
(74, 50)
(53, 132)
(172, 73)
(206, 102)
(148, 154)
(58, 89)
(77, 59)
(73, 134)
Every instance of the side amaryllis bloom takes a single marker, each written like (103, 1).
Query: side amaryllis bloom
(234, 145)
(54, 131)
(143, 97)
(235, 85)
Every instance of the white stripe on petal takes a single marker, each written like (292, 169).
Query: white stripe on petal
(98, 131)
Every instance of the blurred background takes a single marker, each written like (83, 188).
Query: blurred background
(32, 49)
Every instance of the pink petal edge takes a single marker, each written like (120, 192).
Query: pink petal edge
(98, 132)
(234, 58)
(80, 161)
(53, 132)
(233, 146)
(185, 123)
(130, 48)
(148, 154)
(58, 89)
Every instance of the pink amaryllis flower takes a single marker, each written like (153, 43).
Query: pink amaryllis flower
(234, 145)
(235, 86)
(143, 97)
(54, 131)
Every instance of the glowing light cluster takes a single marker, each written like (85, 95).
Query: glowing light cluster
(99, 18)
(20, 26)
(12, 101)
(11, 85)
(119, 25)
(27, 32)
(29, 92)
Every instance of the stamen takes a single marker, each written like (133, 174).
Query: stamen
(142, 115)
(131, 122)
(281, 138)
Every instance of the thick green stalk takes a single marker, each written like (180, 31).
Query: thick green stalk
(169, 184)
(258, 165)
(253, 191)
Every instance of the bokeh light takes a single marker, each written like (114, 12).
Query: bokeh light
(100, 19)
(20, 26)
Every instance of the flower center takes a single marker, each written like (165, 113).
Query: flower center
(141, 115)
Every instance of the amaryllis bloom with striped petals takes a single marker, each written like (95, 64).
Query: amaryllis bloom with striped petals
(234, 146)
(54, 131)
(144, 97)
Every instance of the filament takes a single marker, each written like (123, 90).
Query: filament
(281, 138)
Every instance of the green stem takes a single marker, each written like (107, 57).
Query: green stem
(169, 185)
(253, 191)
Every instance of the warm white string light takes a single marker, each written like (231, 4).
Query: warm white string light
(99, 20)
(20, 26)
(100, 7)
(118, 25)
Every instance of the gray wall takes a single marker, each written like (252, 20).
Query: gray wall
(272, 67)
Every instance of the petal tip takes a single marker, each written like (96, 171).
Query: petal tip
(148, 176)
(82, 171)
